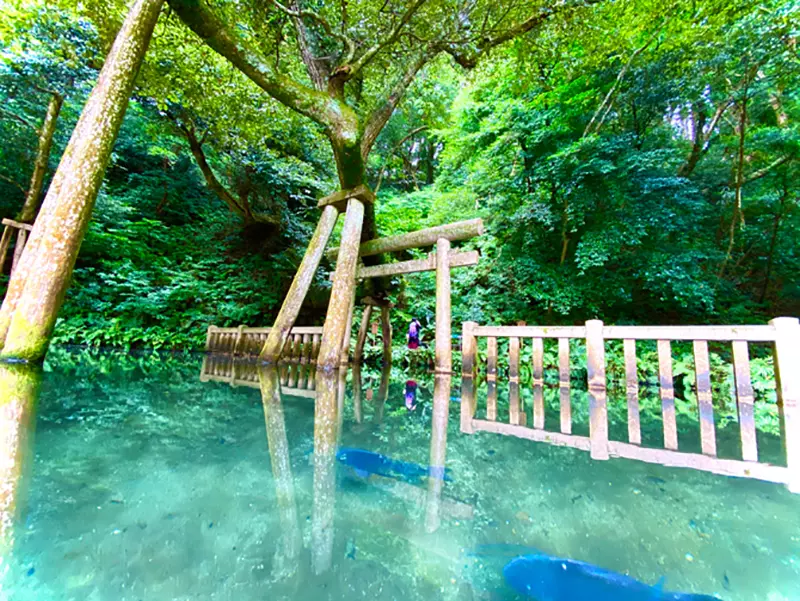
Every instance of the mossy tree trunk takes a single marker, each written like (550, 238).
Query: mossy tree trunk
(37, 287)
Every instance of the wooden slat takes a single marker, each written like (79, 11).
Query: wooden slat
(514, 415)
(744, 398)
(632, 392)
(554, 438)
(306, 354)
(491, 358)
(725, 467)
(316, 338)
(716, 333)
(491, 400)
(564, 373)
(705, 407)
(513, 359)
(596, 376)
(532, 331)
(469, 349)
(537, 373)
(467, 403)
(667, 393)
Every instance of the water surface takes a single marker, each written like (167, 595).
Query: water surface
(133, 479)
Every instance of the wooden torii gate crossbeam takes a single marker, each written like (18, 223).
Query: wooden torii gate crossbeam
(338, 320)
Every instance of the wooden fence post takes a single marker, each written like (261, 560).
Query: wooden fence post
(596, 372)
(238, 342)
(467, 403)
(210, 337)
(666, 390)
(787, 374)
(344, 358)
(469, 348)
(444, 360)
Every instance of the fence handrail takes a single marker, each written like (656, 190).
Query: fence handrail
(782, 332)
(266, 330)
(749, 333)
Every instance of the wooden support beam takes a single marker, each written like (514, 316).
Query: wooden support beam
(456, 259)
(444, 344)
(339, 199)
(290, 308)
(462, 230)
(744, 400)
(344, 283)
(386, 335)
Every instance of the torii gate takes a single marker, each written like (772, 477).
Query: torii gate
(341, 305)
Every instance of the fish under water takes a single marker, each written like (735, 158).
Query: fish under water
(547, 578)
(366, 463)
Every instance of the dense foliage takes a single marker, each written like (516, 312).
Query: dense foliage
(629, 166)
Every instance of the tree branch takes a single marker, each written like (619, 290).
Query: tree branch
(310, 14)
(607, 100)
(365, 58)
(13, 182)
(469, 58)
(200, 18)
(378, 118)
(394, 149)
(765, 170)
(19, 119)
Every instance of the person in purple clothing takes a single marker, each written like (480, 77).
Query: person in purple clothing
(413, 334)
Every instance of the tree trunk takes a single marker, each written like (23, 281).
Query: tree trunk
(46, 134)
(772, 244)
(739, 184)
(37, 288)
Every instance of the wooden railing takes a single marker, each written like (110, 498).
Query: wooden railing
(783, 333)
(302, 345)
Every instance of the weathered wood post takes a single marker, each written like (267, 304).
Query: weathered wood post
(344, 279)
(358, 353)
(467, 403)
(22, 237)
(632, 391)
(469, 349)
(444, 360)
(564, 388)
(386, 334)
(666, 390)
(438, 453)
(5, 241)
(38, 285)
(290, 308)
(705, 407)
(787, 374)
(344, 358)
(279, 456)
(596, 375)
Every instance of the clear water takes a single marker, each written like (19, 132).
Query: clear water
(134, 480)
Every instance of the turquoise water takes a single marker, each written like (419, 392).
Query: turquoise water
(132, 479)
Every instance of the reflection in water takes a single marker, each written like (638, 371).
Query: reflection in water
(19, 389)
(286, 557)
(326, 434)
(441, 409)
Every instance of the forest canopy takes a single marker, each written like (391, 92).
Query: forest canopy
(632, 161)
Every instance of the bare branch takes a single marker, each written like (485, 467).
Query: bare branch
(365, 58)
(376, 121)
(394, 149)
(200, 18)
(19, 119)
(765, 170)
(606, 104)
(13, 182)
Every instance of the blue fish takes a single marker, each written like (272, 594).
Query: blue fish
(366, 463)
(547, 578)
